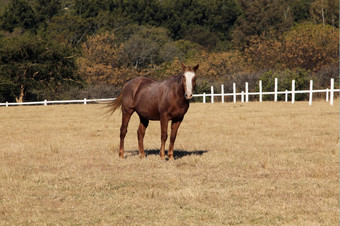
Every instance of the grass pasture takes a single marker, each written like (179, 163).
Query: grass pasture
(254, 163)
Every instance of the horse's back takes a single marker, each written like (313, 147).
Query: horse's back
(138, 92)
(134, 86)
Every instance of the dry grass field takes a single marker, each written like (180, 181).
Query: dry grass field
(255, 163)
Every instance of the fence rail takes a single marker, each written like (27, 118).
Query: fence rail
(46, 102)
(244, 95)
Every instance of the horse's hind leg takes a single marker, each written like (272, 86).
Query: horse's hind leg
(126, 115)
(140, 133)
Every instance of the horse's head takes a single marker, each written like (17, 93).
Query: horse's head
(189, 80)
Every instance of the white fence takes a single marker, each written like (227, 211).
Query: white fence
(244, 95)
(46, 102)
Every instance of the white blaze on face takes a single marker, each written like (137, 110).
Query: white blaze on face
(188, 81)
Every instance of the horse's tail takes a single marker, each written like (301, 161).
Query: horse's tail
(114, 105)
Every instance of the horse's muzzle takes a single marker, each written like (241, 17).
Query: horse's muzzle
(188, 96)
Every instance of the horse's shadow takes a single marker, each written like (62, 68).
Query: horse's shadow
(178, 154)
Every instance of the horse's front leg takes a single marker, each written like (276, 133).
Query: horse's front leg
(164, 135)
(174, 127)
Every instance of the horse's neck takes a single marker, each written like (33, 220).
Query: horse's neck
(179, 87)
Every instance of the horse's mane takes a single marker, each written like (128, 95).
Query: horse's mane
(176, 78)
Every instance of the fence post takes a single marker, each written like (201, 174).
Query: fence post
(332, 91)
(260, 93)
(212, 94)
(6, 104)
(45, 102)
(275, 89)
(242, 96)
(310, 92)
(203, 98)
(222, 93)
(293, 91)
(84, 101)
(286, 96)
(327, 95)
(234, 92)
(247, 93)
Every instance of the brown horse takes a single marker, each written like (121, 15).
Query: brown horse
(152, 100)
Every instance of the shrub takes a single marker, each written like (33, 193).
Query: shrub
(301, 77)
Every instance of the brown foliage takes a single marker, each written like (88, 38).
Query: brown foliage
(222, 63)
(101, 63)
(215, 68)
(307, 46)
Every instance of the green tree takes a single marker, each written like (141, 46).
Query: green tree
(261, 17)
(147, 46)
(220, 17)
(325, 12)
(71, 29)
(81, 19)
(141, 12)
(300, 9)
(91, 8)
(19, 14)
(33, 68)
(46, 9)
(202, 36)
(179, 16)
(184, 16)
(301, 77)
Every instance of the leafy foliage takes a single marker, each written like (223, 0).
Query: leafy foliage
(325, 12)
(19, 13)
(300, 10)
(308, 46)
(301, 77)
(35, 67)
(144, 46)
(260, 18)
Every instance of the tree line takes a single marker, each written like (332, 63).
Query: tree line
(60, 49)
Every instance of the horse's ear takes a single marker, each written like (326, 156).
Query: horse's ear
(183, 67)
(196, 67)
